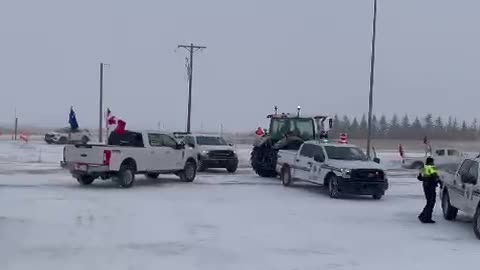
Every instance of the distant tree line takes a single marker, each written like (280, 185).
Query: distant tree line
(406, 128)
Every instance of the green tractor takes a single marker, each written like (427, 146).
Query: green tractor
(286, 132)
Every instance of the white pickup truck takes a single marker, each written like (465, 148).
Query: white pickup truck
(343, 168)
(442, 156)
(149, 153)
(461, 191)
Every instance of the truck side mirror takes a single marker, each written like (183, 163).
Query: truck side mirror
(180, 145)
(376, 160)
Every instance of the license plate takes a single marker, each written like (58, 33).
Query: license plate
(81, 167)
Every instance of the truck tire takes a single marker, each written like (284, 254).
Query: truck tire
(85, 179)
(476, 223)
(152, 175)
(232, 167)
(448, 210)
(286, 176)
(377, 196)
(333, 187)
(417, 165)
(85, 140)
(63, 140)
(126, 176)
(189, 172)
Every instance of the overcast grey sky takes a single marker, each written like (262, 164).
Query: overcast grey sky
(260, 53)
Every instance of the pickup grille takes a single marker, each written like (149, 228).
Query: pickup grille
(221, 154)
(368, 174)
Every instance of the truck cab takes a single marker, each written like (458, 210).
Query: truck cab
(461, 191)
(343, 168)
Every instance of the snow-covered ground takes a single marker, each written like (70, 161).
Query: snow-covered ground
(220, 221)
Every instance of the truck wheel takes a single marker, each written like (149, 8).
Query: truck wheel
(377, 196)
(417, 165)
(63, 140)
(85, 140)
(286, 176)
(152, 175)
(476, 223)
(333, 187)
(449, 212)
(126, 176)
(232, 167)
(85, 179)
(189, 172)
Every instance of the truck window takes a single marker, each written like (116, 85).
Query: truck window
(318, 150)
(453, 152)
(168, 141)
(155, 140)
(189, 141)
(473, 172)
(464, 171)
(307, 150)
(440, 152)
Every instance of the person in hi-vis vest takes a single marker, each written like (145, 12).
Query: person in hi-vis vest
(429, 176)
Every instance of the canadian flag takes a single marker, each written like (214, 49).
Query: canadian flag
(111, 119)
(24, 137)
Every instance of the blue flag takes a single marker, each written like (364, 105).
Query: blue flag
(72, 120)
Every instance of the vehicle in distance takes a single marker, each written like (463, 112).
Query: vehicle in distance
(461, 191)
(212, 152)
(67, 135)
(343, 168)
(442, 157)
(129, 154)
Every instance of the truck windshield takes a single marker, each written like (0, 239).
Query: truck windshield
(345, 153)
(301, 127)
(209, 140)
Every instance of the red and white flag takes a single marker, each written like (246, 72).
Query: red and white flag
(111, 120)
(24, 137)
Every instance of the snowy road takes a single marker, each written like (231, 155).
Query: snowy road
(48, 221)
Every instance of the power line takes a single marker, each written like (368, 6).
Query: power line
(191, 49)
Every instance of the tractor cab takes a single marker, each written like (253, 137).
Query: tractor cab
(306, 128)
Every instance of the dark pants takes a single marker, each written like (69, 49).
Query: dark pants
(430, 196)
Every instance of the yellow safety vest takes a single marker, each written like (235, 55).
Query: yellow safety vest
(429, 170)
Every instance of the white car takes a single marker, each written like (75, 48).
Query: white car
(343, 168)
(67, 135)
(212, 152)
(461, 191)
(149, 153)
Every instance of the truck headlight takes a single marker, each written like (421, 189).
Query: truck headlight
(204, 152)
(346, 173)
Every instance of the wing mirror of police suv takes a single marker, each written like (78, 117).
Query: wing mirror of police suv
(319, 158)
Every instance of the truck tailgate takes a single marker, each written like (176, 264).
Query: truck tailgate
(84, 154)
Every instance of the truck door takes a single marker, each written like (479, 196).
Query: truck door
(155, 161)
(318, 160)
(470, 183)
(304, 162)
(171, 157)
(457, 190)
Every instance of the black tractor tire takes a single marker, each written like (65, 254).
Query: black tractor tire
(232, 167)
(85, 180)
(286, 176)
(448, 210)
(126, 176)
(259, 164)
(333, 187)
(189, 172)
(152, 175)
(476, 223)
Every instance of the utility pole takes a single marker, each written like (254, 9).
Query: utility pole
(191, 49)
(372, 77)
(100, 113)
